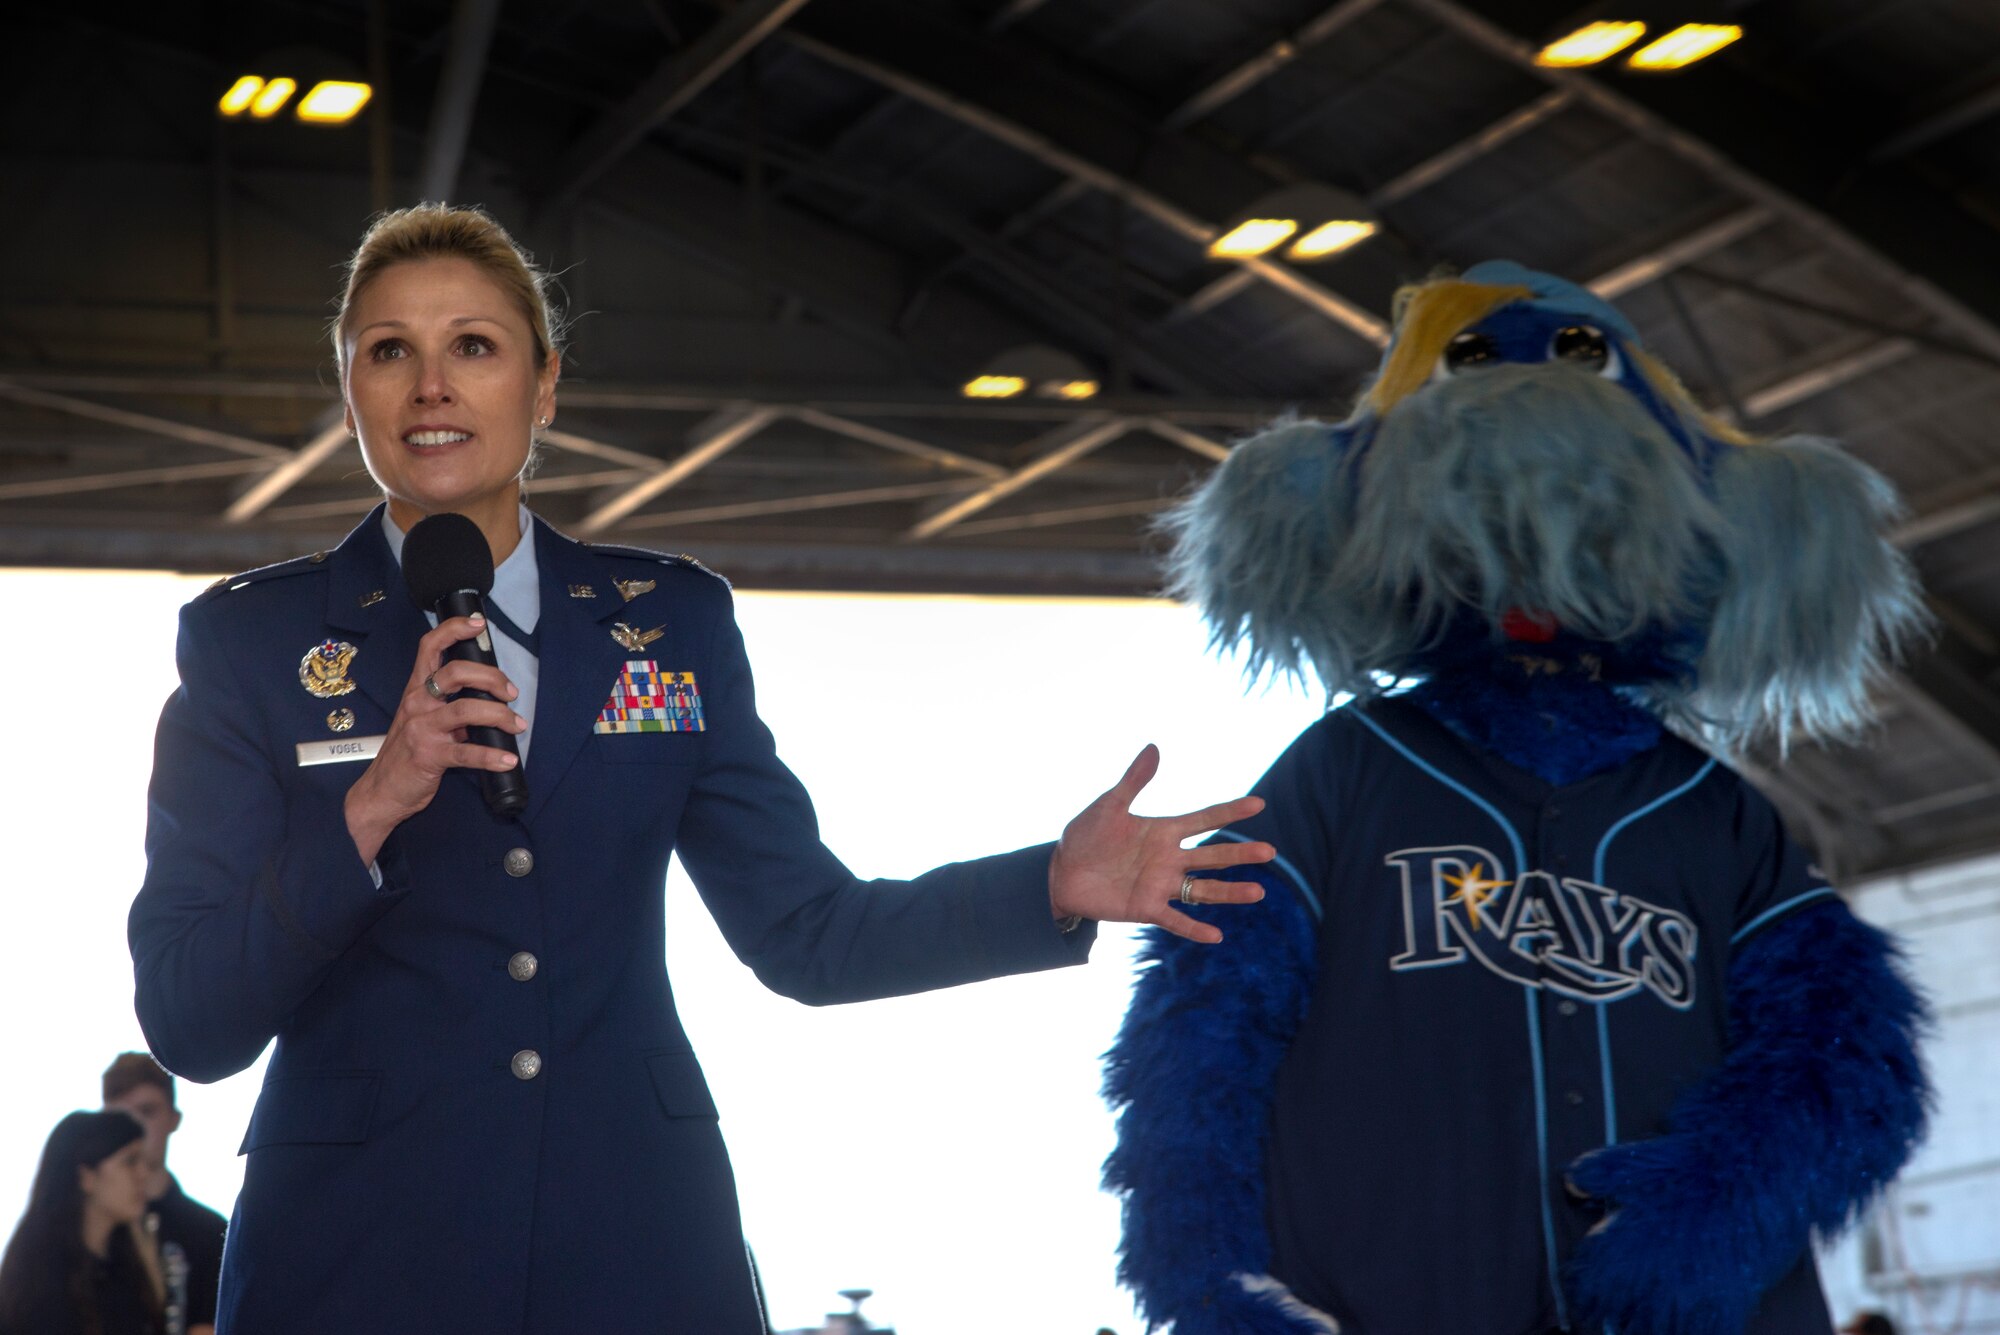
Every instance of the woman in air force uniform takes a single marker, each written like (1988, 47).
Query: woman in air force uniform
(482, 1112)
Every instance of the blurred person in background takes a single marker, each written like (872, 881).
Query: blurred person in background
(1869, 1323)
(80, 1261)
(188, 1233)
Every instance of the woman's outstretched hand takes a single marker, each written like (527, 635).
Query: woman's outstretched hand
(1113, 866)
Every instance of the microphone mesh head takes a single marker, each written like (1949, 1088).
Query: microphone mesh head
(443, 554)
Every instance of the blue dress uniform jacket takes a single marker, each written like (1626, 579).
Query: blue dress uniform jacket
(482, 1113)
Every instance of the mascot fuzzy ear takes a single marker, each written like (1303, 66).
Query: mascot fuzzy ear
(1815, 603)
(1519, 451)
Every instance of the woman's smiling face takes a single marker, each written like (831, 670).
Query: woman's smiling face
(443, 391)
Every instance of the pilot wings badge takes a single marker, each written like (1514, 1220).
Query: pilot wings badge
(634, 639)
(323, 671)
(628, 589)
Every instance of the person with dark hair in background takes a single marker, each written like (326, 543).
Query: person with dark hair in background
(188, 1233)
(80, 1263)
(482, 1112)
(1869, 1323)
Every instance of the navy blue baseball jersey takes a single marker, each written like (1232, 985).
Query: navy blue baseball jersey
(1525, 973)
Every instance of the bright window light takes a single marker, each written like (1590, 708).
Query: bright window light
(1071, 389)
(332, 101)
(1590, 44)
(1330, 238)
(239, 95)
(994, 386)
(1252, 237)
(274, 96)
(1684, 46)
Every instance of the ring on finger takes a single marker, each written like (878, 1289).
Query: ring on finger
(1187, 889)
(431, 685)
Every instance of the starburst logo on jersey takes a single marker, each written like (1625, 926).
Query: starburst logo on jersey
(1563, 933)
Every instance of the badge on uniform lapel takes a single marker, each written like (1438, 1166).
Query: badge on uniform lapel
(628, 589)
(340, 720)
(323, 671)
(633, 639)
(582, 591)
(645, 699)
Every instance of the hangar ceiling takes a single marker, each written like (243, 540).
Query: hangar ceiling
(787, 231)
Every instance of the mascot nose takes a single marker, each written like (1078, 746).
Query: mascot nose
(1533, 627)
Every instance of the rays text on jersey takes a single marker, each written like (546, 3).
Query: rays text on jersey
(1539, 930)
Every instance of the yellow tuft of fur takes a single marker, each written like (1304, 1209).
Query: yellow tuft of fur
(1428, 315)
(1670, 389)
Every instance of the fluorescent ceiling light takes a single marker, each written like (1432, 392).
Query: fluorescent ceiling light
(332, 101)
(273, 96)
(1590, 44)
(1070, 389)
(1252, 237)
(993, 387)
(239, 95)
(1330, 238)
(1684, 46)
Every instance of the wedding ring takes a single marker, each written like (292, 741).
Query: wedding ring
(1187, 890)
(431, 685)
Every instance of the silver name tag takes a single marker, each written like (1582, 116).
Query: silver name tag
(336, 750)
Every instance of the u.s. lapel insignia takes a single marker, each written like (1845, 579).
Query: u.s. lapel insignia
(323, 671)
(582, 591)
(633, 639)
(628, 589)
(372, 597)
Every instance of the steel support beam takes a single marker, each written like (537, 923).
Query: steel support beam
(1053, 451)
(471, 37)
(288, 474)
(1956, 706)
(1192, 441)
(1679, 253)
(901, 444)
(677, 82)
(596, 449)
(1955, 110)
(144, 422)
(1247, 74)
(1965, 506)
(1012, 13)
(1076, 514)
(43, 488)
(1398, 187)
(1828, 375)
(710, 442)
(1469, 149)
(691, 398)
(856, 34)
(789, 505)
(1781, 155)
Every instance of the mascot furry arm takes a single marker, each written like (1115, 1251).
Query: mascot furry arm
(1520, 462)
(1192, 1073)
(1817, 1106)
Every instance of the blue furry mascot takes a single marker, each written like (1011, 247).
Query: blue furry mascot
(1544, 1025)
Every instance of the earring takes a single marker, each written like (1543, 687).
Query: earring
(543, 422)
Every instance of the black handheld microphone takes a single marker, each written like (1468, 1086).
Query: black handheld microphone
(448, 569)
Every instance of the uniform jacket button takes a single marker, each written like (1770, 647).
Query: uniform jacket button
(527, 1064)
(518, 862)
(521, 966)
